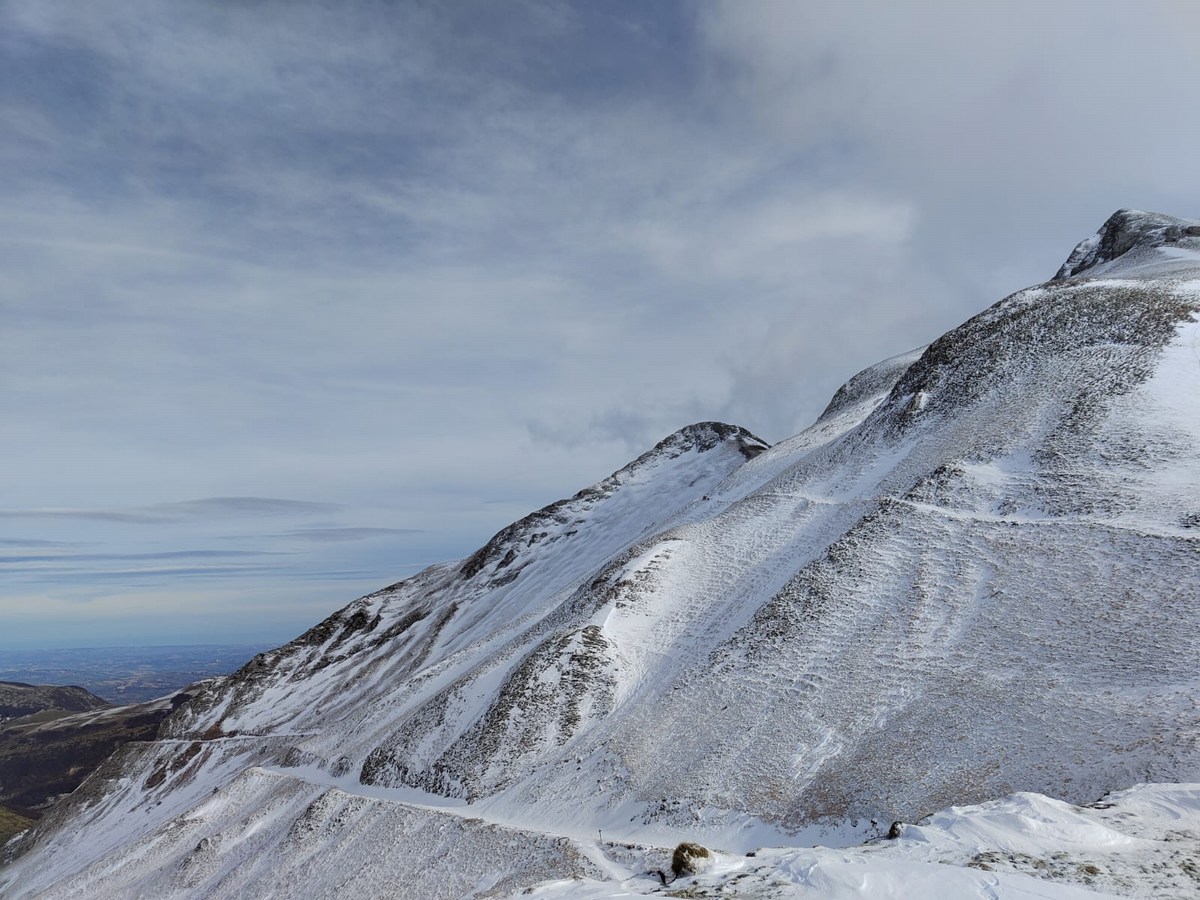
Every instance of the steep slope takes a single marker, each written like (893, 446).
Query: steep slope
(12, 823)
(975, 574)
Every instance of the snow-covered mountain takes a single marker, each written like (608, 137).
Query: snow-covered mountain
(976, 574)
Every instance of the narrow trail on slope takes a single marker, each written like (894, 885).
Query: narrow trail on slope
(962, 515)
(413, 798)
(229, 738)
(1047, 521)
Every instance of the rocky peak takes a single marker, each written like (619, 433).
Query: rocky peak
(871, 383)
(1126, 230)
(702, 437)
(562, 517)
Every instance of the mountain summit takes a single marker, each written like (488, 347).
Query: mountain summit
(1131, 231)
(975, 574)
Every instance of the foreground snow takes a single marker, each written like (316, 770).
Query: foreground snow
(296, 834)
(1141, 842)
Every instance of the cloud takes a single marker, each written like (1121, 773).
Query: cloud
(35, 543)
(142, 576)
(402, 260)
(984, 114)
(338, 535)
(253, 506)
(164, 513)
(128, 557)
(628, 427)
(98, 515)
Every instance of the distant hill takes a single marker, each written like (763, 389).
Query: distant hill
(49, 753)
(124, 675)
(18, 699)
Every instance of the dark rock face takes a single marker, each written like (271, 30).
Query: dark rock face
(1009, 341)
(39, 760)
(1127, 230)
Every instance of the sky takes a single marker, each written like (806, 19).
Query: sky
(298, 298)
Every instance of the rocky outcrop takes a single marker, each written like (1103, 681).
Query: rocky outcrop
(1125, 231)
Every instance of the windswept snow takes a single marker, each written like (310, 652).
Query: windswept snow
(1142, 842)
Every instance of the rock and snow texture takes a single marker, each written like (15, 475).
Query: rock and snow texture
(975, 574)
(1142, 842)
(1136, 233)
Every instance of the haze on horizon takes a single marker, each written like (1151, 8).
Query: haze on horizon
(299, 298)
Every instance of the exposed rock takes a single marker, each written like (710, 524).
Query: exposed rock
(690, 859)
(1127, 230)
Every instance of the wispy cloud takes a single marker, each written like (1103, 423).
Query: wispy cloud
(253, 506)
(164, 513)
(97, 515)
(35, 543)
(400, 260)
(339, 535)
(9, 560)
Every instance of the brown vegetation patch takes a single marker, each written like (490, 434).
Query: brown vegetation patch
(685, 860)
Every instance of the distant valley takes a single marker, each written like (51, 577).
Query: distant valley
(124, 675)
(63, 712)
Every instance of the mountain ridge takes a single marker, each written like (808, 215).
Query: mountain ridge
(973, 575)
(1125, 231)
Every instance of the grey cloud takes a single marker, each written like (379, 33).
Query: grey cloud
(628, 427)
(179, 577)
(253, 506)
(339, 535)
(63, 558)
(97, 515)
(440, 253)
(162, 513)
(134, 577)
(36, 543)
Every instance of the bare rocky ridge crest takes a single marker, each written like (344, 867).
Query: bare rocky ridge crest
(1129, 231)
(502, 550)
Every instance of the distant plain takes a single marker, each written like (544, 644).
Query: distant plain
(126, 674)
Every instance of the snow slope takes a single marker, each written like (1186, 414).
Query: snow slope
(1141, 842)
(974, 575)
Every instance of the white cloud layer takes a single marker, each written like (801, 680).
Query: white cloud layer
(440, 264)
